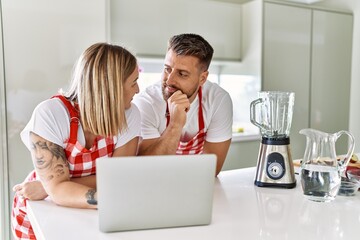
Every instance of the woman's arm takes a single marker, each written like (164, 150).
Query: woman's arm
(34, 190)
(52, 168)
(129, 149)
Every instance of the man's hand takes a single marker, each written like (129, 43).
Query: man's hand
(33, 190)
(178, 104)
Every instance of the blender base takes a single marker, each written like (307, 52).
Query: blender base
(279, 185)
(275, 167)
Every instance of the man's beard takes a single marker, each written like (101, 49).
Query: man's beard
(167, 95)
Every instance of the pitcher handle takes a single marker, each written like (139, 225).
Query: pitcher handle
(252, 112)
(343, 163)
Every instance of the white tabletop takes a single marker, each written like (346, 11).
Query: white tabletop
(241, 211)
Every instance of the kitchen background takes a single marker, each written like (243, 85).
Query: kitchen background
(311, 49)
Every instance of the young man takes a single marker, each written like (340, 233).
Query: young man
(184, 113)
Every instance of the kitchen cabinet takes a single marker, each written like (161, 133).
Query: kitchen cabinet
(308, 51)
(137, 25)
(331, 71)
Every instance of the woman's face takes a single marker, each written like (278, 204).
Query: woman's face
(131, 87)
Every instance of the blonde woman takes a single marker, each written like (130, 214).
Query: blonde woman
(67, 133)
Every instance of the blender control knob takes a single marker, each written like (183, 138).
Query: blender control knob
(276, 166)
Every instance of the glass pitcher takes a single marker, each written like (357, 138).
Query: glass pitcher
(272, 113)
(321, 171)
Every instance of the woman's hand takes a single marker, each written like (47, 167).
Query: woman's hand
(33, 190)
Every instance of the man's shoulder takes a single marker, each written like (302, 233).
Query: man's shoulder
(213, 89)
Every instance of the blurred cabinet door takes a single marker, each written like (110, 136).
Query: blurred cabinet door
(286, 58)
(309, 52)
(331, 73)
(146, 26)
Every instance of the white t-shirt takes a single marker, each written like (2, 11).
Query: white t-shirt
(217, 112)
(51, 121)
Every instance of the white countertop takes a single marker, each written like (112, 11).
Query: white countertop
(241, 211)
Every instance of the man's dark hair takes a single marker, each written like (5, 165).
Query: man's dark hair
(190, 44)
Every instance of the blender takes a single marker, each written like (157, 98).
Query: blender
(272, 113)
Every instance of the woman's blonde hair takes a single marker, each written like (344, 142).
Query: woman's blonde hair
(98, 88)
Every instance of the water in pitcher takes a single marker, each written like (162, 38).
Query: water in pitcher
(320, 168)
(320, 183)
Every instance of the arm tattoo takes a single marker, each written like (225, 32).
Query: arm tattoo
(90, 197)
(49, 158)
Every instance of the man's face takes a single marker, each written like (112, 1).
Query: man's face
(182, 73)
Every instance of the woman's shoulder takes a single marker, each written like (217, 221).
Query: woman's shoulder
(52, 105)
(51, 114)
(49, 120)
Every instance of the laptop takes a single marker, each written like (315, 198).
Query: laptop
(146, 192)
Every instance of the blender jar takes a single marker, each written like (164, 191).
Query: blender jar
(272, 112)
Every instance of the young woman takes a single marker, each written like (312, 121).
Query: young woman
(67, 133)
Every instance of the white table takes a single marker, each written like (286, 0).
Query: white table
(241, 211)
